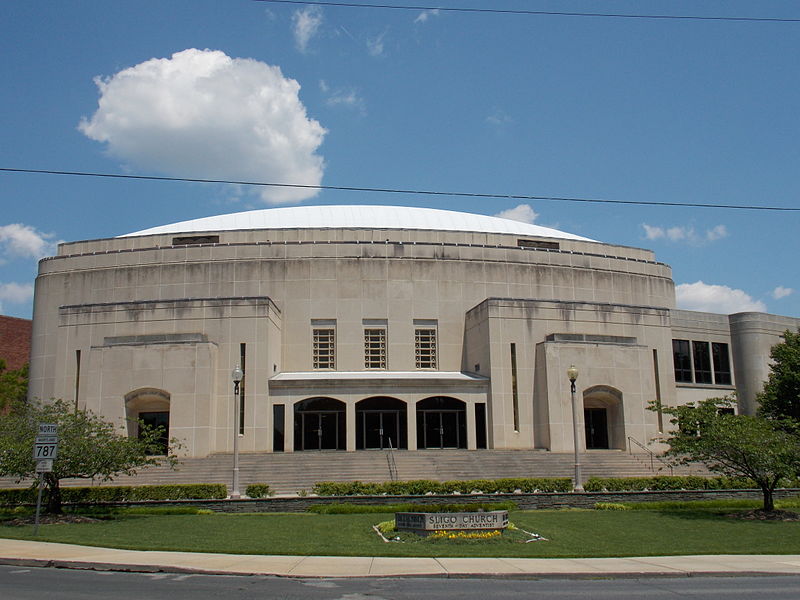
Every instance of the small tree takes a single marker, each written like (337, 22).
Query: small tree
(780, 398)
(88, 447)
(764, 450)
(13, 385)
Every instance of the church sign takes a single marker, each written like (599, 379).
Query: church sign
(424, 523)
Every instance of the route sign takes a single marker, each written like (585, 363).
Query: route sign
(48, 428)
(44, 466)
(45, 448)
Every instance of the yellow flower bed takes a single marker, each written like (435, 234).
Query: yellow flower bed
(465, 535)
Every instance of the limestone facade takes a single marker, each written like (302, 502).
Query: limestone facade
(359, 338)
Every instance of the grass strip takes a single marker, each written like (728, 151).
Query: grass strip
(571, 533)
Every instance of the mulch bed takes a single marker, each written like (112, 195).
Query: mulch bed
(49, 520)
(766, 515)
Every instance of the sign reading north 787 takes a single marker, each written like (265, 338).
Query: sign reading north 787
(45, 446)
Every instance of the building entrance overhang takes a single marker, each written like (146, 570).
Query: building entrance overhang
(439, 380)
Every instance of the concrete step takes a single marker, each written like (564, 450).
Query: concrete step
(289, 473)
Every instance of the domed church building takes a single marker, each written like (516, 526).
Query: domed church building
(363, 327)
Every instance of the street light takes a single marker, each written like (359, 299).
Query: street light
(237, 376)
(572, 374)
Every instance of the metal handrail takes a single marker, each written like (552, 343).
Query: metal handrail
(653, 455)
(390, 461)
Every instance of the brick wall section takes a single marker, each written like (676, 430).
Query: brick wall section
(523, 501)
(15, 341)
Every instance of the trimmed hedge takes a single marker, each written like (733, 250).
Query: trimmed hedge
(347, 508)
(666, 482)
(258, 490)
(123, 493)
(421, 487)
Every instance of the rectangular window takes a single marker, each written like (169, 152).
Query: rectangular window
(683, 361)
(514, 393)
(278, 416)
(722, 363)
(243, 363)
(324, 348)
(425, 347)
(375, 348)
(702, 362)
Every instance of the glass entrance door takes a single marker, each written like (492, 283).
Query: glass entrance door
(156, 420)
(596, 422)
(381, 428)
(320, 430)
(442, 429)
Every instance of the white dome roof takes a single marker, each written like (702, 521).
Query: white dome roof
(358, 217)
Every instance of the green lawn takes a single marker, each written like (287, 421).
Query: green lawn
(570, 533)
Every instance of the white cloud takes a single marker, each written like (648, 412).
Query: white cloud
(716, 233)
(203, 114)
(499, 117)
(16, 293)
(426, 14)
(25, 241)
(375, 45)
(781, 292)
(523, 213)
(684, 234)
(305, 25)
(715, 298)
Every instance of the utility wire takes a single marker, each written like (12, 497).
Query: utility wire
(503, 11)
(402, 191)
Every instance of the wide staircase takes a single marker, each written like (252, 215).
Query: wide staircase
(293, 473)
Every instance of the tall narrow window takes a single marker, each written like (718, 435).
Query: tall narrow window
(722, 363)
(514, 394)
(659, 408)
(77, 377)
(278, 421)
(375, 348)
(683, 361)
(324, 348)
(702, 362)
(425, 347)
(242, 363)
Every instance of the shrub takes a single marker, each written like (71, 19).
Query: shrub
(665, 482)
(421, 487)
(258, 490)
(346, 508)
(122, 493)
(610, 506)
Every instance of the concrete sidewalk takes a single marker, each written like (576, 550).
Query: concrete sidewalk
(23, 552)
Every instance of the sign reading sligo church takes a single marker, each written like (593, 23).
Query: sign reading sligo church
(427, 522)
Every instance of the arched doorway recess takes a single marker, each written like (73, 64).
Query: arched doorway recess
(148, 408)
(604, 419)
(381, 422)
(319, 424)
(441, 423)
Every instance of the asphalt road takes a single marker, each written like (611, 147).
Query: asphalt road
(26, 583)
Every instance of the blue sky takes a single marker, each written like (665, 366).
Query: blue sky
(580, 107)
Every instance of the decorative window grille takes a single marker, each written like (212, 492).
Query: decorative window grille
(425, 348)
(324, 348)
(375, 348)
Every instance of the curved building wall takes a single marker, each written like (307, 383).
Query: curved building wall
(177, 312)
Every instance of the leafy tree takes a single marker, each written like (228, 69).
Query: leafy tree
(764, 450)
(13, 385)
(88, 447)
(781, 396)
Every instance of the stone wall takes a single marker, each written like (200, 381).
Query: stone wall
(523, 501)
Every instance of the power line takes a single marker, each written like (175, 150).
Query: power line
(402, 191)
(550, 13)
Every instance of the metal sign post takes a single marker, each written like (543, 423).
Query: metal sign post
(45, 450)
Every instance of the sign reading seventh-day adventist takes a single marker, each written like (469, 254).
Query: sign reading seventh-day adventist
(428, 522)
